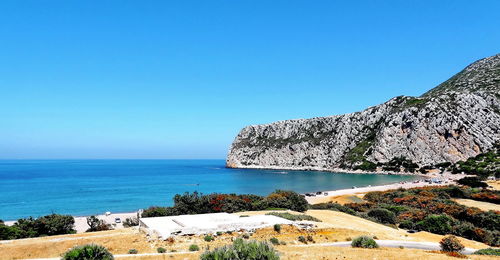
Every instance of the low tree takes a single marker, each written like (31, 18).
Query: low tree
(131, 222)
(96, 224)
(451, 244)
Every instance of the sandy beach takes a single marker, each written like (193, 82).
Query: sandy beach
(330, 196)
(81, 222)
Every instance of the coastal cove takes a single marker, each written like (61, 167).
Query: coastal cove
(86, 187)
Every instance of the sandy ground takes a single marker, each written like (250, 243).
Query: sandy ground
(351, 226)
(342, 199)
(321, 252)
(494, 184)
(478, 204)
(339, 195)
(81, 222)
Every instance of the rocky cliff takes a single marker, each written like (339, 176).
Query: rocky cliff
(456, 120)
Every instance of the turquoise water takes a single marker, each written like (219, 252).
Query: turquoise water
(84, 187)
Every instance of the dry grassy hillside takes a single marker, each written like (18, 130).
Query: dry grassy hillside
(335, 226)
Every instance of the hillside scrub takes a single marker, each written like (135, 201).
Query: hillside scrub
(197, 203)
(49, 225)
(430, 209)
(483, 165)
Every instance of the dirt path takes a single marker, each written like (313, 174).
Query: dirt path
(397, 244)
(478, 204)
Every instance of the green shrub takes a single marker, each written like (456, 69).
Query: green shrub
(472, 182)
(274, 241)
(293, 217)
(161, 250)
(194, 247)
(366, 166)
(241, 249)
(88, 252)
(438, 224)
(451, 244)
(488, 251)
(302, 239)
(383, 215)
(310, 239)
(208, 238)
(219, 233)
(364, 242)
(277, 228)
(407, 224)
(133, 251)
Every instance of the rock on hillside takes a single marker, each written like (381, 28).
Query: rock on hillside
(454, 121)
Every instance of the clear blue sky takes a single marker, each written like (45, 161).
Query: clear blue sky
(179, 79)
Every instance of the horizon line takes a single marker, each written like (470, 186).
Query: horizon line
(60, 159)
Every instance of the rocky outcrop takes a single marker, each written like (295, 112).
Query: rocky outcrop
(452, 122)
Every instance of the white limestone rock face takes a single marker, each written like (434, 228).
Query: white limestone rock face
(454, 121)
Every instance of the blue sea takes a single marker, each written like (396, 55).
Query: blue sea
(85, 187)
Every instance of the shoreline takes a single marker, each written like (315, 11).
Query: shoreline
(321, 169)
(448, 179)
(329, 196)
